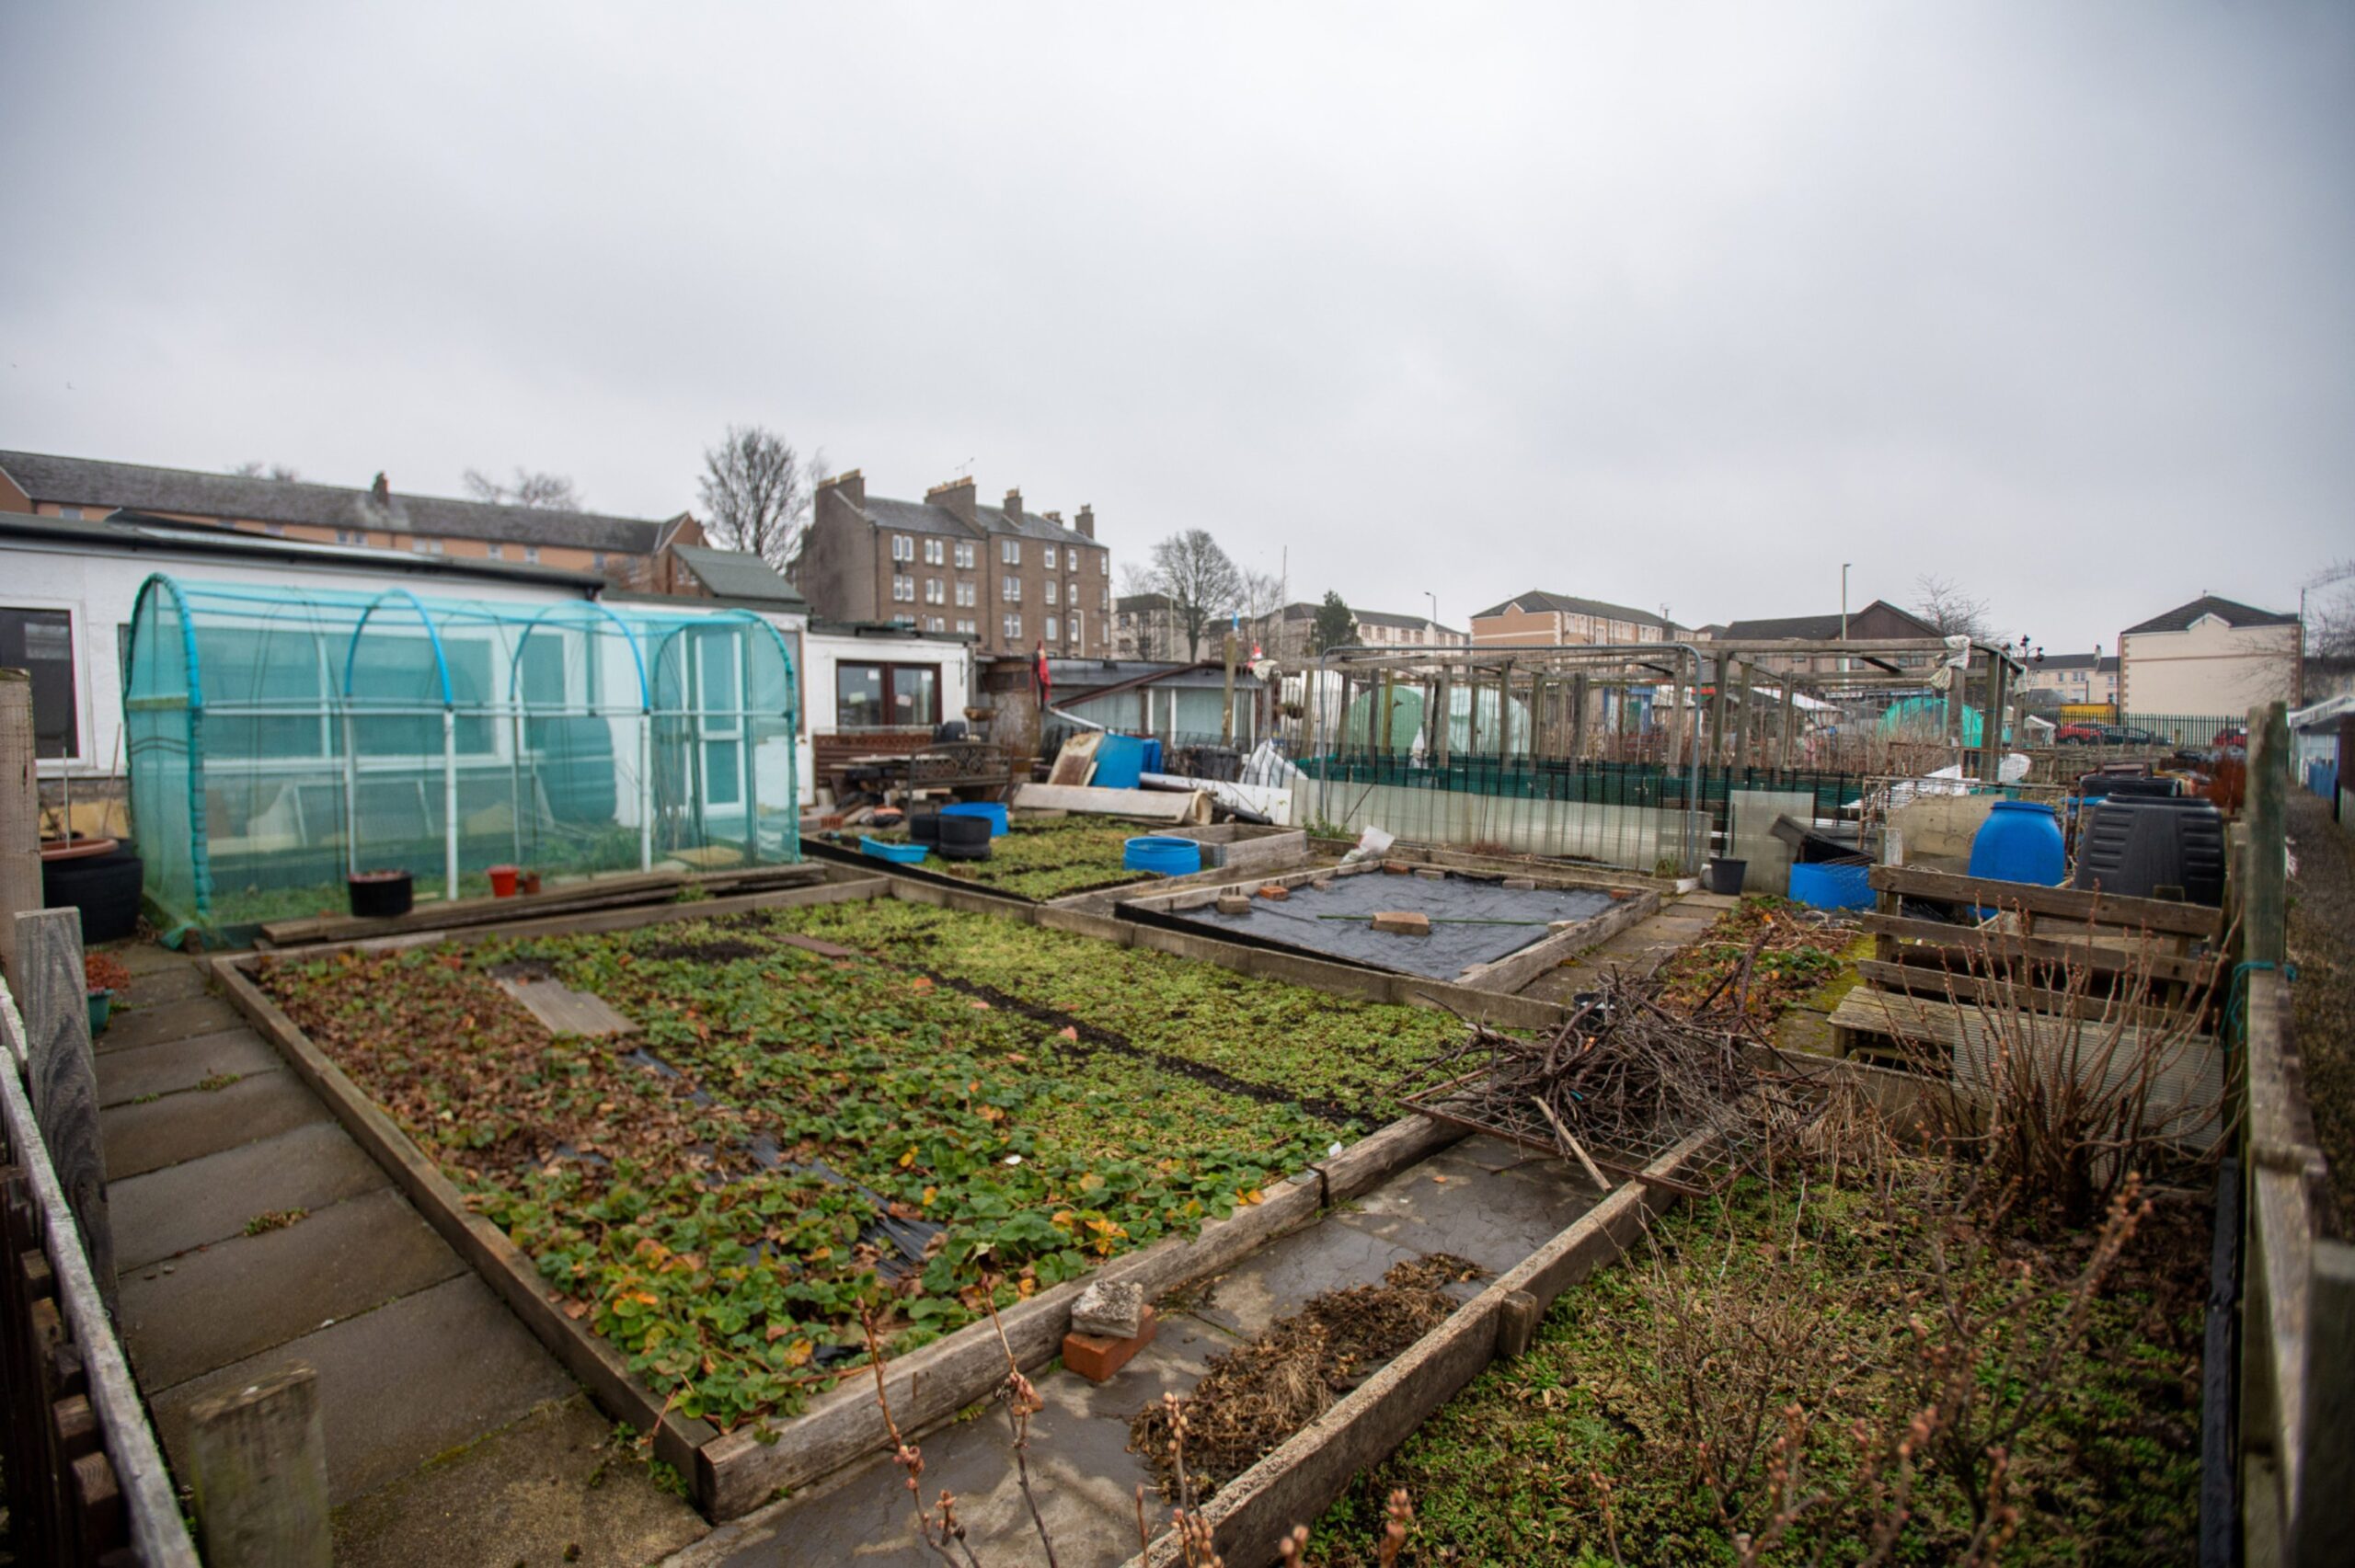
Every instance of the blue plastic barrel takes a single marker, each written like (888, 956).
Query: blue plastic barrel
(1119, 759)
(1831, 887)
(1163, 857)
(991, 809)
(2021, 841)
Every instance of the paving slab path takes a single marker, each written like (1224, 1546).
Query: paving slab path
(1678, 921)
(1481, 1200)
(453, 1436)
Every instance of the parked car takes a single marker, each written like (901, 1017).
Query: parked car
(2082, 734)
(2078, 734)
(2234, 739)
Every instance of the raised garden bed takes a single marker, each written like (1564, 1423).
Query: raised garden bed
(816, 1119)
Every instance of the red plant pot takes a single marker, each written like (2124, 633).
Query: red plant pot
(502, 881)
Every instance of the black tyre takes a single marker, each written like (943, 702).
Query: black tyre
(966, 851)
(104, 887)
(923, 827)
(964, 832)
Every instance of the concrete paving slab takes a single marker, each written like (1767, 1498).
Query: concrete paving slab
(134, 1026)
(414, 1379)
(185, 1127)
(1493, 1218)
(207, 1308)
(551, 1489)
(146, 957)
(161, 986)
(1279, 1277)
(175, 1065)
(201, 1201)
(1082, 1473)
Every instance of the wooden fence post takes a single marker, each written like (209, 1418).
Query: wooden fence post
(257, 1458)
(63, 1075)
(2264, 931)
(19, 815)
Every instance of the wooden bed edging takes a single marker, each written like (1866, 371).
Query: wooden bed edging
(1516, 969)
(733, 1473)
(1300, 1480)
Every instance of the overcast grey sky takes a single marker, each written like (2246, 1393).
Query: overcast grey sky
(1675, 305)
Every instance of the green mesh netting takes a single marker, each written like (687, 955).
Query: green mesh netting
(281, 740)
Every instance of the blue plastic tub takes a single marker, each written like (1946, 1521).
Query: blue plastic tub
(1163, 857)
(904, 854)
(995, 812)
(1831, 887)
(1153, 755)
(1119, 759)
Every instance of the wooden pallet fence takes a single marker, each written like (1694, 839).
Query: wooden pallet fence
(87, 1482)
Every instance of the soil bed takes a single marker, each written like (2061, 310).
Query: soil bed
(794, 1138)
(1765, 952)
(1043, 859)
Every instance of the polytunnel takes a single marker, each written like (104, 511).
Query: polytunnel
(281, 740)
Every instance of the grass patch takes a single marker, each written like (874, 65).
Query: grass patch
(271, 1220)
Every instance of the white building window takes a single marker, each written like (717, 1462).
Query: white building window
(968, 628)
(433, 547)
(1013, 628)
(967, 594)
(1052, 595)
(965, 554)
(1104, 597)
(934, 591)
(497, 551)
(531, 551)
(904, 587)
(934, 623)
(1074, 627)
(1010, 589)
(1051, 557)
(935, 551)
(1055, 630)
(903, 548)
(1010, 552)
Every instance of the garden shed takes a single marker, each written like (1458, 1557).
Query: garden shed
(278, 739)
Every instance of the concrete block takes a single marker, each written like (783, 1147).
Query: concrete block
(1234, 904)
(1517, 1323)
(1433, 873)
(1097, 1358)
(1109, 1310)
(1403, 922)
(1520, 884)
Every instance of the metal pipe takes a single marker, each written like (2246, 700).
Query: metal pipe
(449, 802)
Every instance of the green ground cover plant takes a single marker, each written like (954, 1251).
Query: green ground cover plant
(718, 1194)
(1737, 1389)
(1042, 859)
(1339, 1055)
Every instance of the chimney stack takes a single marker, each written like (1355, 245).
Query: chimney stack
(1013, 506)
(956, 496)
(381, 492)
(1087, 521)
(851, 485)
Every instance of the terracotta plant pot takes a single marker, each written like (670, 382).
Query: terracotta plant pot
(529, 882)
(502, 881)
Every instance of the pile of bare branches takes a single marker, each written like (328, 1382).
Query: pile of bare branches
(1623, 1078)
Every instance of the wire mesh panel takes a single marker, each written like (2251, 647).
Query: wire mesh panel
(281, 741)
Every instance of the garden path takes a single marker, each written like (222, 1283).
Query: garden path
(1678, 921)
(453, 1436)
(1481, 1200)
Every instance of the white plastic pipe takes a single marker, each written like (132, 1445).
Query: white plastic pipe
(449, 802)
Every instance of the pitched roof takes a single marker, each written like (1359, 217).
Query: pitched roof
(1570, 604)
(1133, 603)
(2105, 664)
(131, 534)
(1818, 628)
(740, 576)
(923, 517)
(2181, 618)
(138, 488)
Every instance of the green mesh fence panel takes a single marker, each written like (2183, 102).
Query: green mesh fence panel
(280, 740)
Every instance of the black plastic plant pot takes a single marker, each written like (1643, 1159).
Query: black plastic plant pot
(923, 827)
(1724, 876)
(380, 895)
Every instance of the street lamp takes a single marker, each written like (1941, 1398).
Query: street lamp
(1844, 615)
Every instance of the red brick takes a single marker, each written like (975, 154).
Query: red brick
(1096, 1358)
(1270, 890)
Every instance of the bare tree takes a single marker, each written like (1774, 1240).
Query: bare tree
(2330, 611)
(553, 491)
(756, 491)
(1201, 581)
(1943, 603)
(256, 469)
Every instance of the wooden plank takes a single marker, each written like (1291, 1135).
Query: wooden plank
(19, 814)
(501, 1263)
(1941, 984)
(2066, 903)
(608, 893)
(1986, 943)
(1076, 763)
(1143, 805)
(62, 1075)
(1514, 970)
(259, 1463)
(2265, 925)
(563, 1010)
